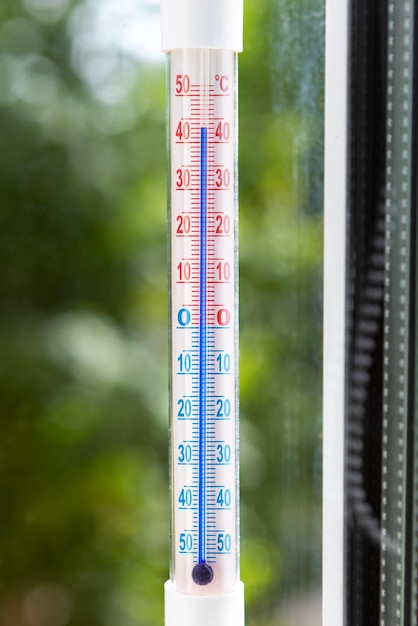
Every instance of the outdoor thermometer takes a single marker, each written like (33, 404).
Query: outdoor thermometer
(202, 39)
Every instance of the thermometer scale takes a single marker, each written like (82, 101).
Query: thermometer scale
(202, 39)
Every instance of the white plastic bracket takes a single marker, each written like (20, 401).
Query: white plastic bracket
(201, 24)
(217, 610)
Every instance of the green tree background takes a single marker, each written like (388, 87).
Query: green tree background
(83, 317)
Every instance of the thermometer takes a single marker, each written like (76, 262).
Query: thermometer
(202, 38)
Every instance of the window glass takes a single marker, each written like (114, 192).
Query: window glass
(83, 310)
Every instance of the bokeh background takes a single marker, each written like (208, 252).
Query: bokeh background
(83, 312)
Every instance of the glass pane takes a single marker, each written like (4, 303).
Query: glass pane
(84, 532)
(281, 144)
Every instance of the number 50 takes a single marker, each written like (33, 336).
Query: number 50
(224, 542)
(182, 83)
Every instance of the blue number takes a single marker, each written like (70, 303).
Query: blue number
(185, 408)
(224, 408)
(224, 362)
(184, 317)
(224, 542)
(185, 453)
(186, 542)
(224, 498)
(186, 497)
(224, 454)
(185, 361)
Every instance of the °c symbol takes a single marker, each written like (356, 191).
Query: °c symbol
(223, 82)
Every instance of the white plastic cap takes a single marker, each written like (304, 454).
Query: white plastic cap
(189, 610)
(202, 24)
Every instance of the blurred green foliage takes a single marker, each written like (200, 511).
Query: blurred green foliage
(83, 318)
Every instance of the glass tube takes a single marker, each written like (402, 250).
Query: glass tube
(203, 321)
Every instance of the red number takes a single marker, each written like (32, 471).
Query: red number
(223, 317)
(223, 178)
(223, 224)
(183, 131)
(184, 270)
(223, 131)
(182, 83)
(183, 178)
(224, 271)
(184, 225)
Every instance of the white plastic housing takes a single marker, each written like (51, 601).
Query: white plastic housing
(201, 24)
(218, 610)
(202, 37)
(203, 204)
